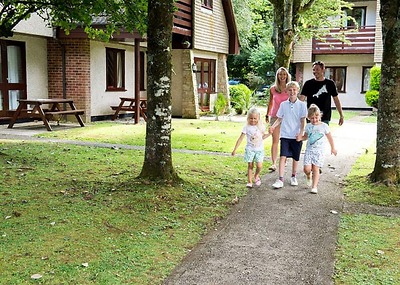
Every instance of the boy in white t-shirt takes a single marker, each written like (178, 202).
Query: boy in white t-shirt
(292, 118)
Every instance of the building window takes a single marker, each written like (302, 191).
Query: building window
(358, 15)
(337, 74)
(365, 78)
(207, 4)
(115, 69)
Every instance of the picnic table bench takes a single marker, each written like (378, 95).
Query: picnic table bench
(54, 108)
(129, 105)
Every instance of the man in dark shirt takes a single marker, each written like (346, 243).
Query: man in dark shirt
(319, 91)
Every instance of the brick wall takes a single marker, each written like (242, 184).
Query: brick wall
(77, 71)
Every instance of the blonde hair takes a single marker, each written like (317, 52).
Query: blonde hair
(260, 124)
(293, 84)
(313, 110)
(288, 78)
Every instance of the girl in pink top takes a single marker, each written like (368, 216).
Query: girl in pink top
(277, 94)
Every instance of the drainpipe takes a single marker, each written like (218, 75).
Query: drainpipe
(63, 68)
(137, 80)
(63, 64)
(64, 75)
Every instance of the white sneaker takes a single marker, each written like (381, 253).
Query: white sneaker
(293, 181)
(278, 184)
(314, 191)
(309, 180)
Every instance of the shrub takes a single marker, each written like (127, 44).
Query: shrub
(375, 78)
(240, 98)
(372, 95)
(220, 105)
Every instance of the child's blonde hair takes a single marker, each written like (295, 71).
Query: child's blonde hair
(252, 111)
(293, 84)
(313, 110)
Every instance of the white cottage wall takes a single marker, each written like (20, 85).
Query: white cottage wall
(34, 26)
(36, 65)
(102, 99)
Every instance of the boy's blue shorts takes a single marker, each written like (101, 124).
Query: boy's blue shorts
(291, 148)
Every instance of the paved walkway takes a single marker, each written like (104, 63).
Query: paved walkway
(277, 237)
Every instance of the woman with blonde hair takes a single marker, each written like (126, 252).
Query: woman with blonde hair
(277, 94)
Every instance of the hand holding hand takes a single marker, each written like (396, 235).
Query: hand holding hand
(271, 130)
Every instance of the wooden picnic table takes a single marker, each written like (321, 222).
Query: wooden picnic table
(33, 108)
(129, 105)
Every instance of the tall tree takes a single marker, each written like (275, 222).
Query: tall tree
(296, 19)
(387, 163)
(158, 155)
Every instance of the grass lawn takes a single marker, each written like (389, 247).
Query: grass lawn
(368, 250)
(79, 215)
(206, 135)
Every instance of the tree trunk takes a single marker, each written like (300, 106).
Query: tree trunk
(283, 35)
(387, 163)
(158, 155)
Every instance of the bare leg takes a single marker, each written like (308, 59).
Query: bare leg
(282, 163)
(258, 170)
(294, 167)
(250, 172)
(275, 145)
(307, 170)
(315, 172)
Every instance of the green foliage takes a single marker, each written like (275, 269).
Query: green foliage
(220, 104)
(254, 81)
(254, 23)
(307, 19)
(372, 95)
(131, 15)
(375, 78)
(240, 98)
(371, 98)
(317, 19)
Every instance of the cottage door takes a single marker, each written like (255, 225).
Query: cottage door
(205, 74)
(12, 76)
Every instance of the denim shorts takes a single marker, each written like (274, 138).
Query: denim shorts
(253, 156)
